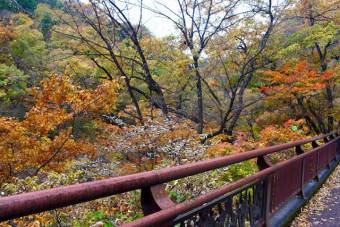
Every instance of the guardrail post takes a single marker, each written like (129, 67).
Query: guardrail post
(332, 137)
(337, 143)
(154, 199)
(268, 187)
(303, 178)
(329, 156)
(314, 144)
(317, 166)
(263, 162)
(299, 150)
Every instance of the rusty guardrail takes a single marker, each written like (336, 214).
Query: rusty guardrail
(253, 199)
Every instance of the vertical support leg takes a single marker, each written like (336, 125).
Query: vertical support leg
(263, 162)
(329, 156)
(337, 146)
(267, 201)
(325, 140)
(153, 199)
(317, 166)
(337, 143)
(303, 178)
(299, 150)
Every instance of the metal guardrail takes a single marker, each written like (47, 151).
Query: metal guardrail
(253, 199)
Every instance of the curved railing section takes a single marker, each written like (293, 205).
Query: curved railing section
(251, 200)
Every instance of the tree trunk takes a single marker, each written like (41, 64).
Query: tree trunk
(329, 93)
(199, 98)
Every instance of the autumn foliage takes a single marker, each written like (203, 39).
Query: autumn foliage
(45, 136)
(87, 93)
(293, 80)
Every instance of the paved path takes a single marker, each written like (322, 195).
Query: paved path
(330, 215)
(324, 208)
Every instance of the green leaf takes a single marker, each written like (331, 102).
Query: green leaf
(294, 128)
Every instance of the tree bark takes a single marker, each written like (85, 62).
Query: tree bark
(199, 97)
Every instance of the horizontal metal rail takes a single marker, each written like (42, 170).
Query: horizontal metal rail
(29, 203)
(172, 212)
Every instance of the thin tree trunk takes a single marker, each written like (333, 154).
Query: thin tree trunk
(134, 99)
(199, 98)
(307, 117)
(329, 93)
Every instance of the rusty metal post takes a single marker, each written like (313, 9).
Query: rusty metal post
(267, 194)
(337, 145)
(314, 144)
(299, 150)
(154, 199)
(303, 178)
(329, 156)
(263, 162)
(317, 166)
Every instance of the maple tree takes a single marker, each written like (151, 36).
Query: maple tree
(296, 84)
(46, 136)
(295, 80)
(310, 35)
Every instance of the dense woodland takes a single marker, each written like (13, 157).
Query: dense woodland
(87, 92)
